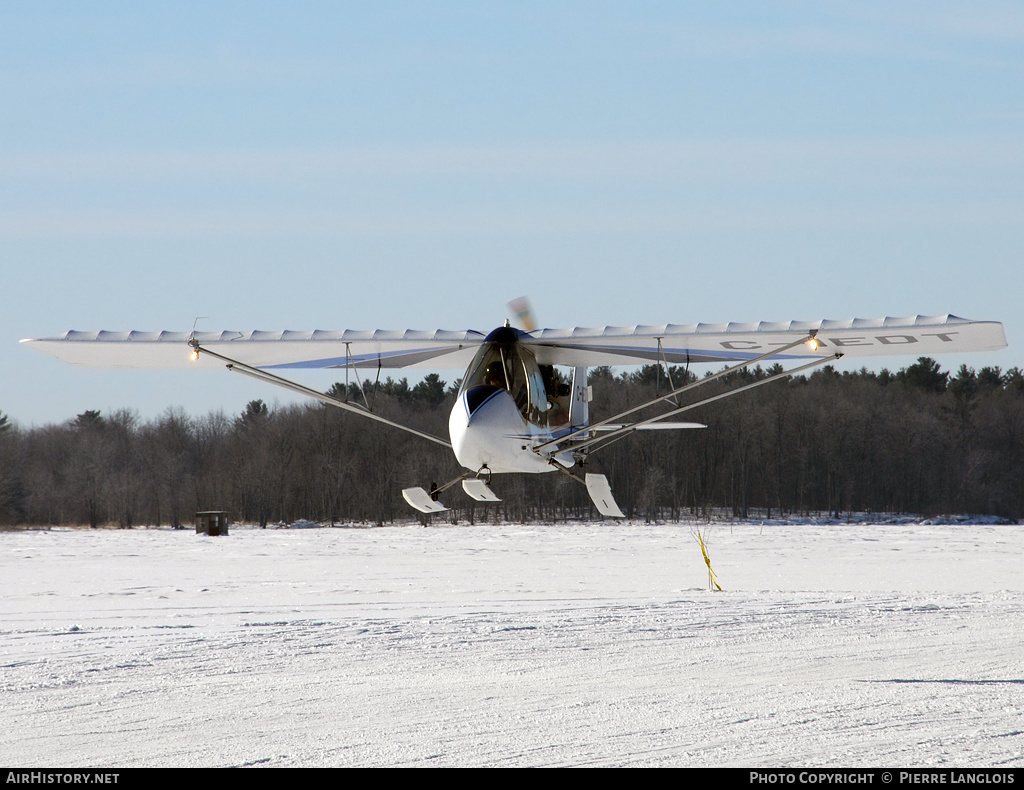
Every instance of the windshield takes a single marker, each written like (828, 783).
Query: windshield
(511, 367)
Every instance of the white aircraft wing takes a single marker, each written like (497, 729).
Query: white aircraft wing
(438, 349)
(443, 349)
(680, 344)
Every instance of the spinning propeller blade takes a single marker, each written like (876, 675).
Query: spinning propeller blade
(523, 315)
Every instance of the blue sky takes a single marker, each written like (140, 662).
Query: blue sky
(360, 165)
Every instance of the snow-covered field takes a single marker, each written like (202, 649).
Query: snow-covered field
(595, 644)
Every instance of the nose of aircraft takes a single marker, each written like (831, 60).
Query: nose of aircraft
(487, 429)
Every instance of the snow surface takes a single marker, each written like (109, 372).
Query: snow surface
(583, 644)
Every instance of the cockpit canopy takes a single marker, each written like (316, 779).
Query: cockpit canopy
(503, 363)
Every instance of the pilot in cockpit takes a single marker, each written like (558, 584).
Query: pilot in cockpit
(494, 375)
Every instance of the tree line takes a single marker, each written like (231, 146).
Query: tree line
(918, 441)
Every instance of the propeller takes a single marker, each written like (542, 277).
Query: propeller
(523, 315)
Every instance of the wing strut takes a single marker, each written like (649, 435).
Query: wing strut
(672, 396)
(613, 435)
(362, 389)
(261, 375)
(668, 372)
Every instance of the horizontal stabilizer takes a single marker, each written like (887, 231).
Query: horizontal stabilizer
(654, 426)
(421, 500)
(601, 492)
(479, 490)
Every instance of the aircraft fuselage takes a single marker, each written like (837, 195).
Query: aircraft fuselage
(507, 405)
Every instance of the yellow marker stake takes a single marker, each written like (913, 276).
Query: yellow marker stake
(711, 573)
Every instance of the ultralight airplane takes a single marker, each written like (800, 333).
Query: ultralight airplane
(523, 405)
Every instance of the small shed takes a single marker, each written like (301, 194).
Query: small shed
(212, 522)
